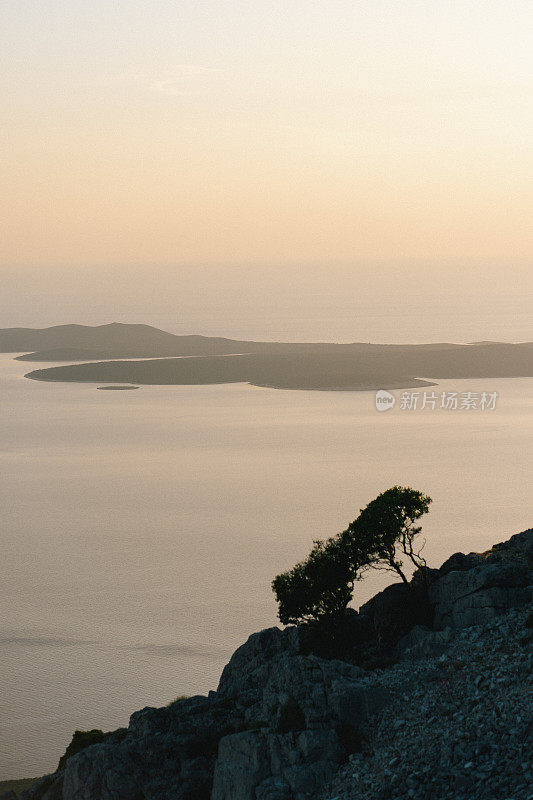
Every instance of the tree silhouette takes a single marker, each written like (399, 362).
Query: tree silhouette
(320, 588)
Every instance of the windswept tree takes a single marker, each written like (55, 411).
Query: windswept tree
(386, 526)
(321, 587)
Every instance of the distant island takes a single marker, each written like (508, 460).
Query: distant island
(167, 359)
(116, 388)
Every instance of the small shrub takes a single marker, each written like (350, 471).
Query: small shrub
(318, 588)
(81, 740)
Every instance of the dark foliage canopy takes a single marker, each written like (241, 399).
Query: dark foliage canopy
(321, 587)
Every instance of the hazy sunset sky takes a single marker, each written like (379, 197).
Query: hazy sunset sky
(340, 131)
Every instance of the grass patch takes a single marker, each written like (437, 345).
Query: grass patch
(176, 699)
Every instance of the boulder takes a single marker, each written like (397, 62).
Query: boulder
(422, 642)
(495, 582)
(259, 649)
(276, 766)
(519, 548)
(329, 702)
(393, 612)
(102, 771)
(460, 562)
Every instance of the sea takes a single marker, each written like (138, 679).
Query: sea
(141, 530)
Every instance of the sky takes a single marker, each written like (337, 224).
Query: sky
(297, 135)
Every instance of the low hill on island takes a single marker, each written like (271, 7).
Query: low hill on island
(115, 340)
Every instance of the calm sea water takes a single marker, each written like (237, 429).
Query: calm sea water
(141, 530)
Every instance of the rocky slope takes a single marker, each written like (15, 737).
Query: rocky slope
(460, 725)
(449, 717)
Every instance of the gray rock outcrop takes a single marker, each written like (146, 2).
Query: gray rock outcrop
(306, 714)
(473, 589)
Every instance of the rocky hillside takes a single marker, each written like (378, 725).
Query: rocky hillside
(460, 726)
(435, 702)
